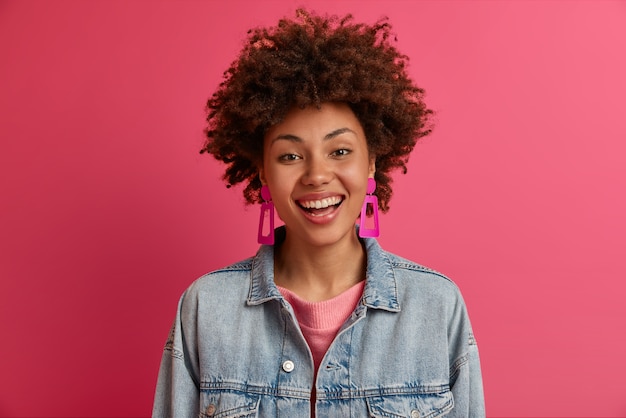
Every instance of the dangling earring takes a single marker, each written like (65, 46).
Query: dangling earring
(370, 199)
(267, 210)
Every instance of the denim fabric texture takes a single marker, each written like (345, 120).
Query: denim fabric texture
(236, 350)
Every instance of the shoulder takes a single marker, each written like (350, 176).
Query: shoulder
(383, 262)
(414, 269)
(417, 277)
(394, 279)
(243, 266)
(225, 279)
(424, 291)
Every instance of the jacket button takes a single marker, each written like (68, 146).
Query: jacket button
(210, 410)
(415, 413)
(288, 366)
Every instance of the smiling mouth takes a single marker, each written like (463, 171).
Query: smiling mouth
(321, 207)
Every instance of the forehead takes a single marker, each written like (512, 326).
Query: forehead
(312, 121)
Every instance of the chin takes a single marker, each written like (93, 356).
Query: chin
(327, 237)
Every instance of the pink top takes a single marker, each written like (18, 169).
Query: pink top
(320, 321)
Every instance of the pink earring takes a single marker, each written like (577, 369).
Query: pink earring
(267, 210)
(372, 200)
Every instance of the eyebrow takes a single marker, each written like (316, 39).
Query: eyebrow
(327, 137)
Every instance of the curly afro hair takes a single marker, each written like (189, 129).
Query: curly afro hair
(307, 61)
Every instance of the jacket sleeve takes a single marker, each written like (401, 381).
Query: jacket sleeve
(177, 391)
(466, 382)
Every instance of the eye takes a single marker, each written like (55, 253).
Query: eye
(342, 152)
(288, 157)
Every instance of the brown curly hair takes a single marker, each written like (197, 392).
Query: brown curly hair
(307, 61)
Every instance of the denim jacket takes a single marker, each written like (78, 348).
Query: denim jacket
(236, 350)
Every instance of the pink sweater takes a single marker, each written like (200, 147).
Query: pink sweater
(320, 321)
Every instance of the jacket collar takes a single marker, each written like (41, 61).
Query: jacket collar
(380, 291)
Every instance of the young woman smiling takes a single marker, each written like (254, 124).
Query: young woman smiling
(312, 117)
(316, 164)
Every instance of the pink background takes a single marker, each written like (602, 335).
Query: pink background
(108, 212)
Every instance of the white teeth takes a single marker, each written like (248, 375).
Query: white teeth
(319, 204)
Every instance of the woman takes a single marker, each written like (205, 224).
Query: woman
(313, 116)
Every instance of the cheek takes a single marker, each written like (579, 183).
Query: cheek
(281, 187)
(356, 176)
(272, 175)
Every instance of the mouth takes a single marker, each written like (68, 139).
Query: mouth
(321, 207)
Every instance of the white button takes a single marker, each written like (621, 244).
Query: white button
(415, 413)
(288, 366)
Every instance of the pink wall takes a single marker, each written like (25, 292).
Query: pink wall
(108, 212)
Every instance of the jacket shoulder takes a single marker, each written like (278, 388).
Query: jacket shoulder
(229, 275)
(412, 270)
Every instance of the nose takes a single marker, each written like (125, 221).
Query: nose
(318, 172)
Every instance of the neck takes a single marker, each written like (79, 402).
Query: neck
(319, 273)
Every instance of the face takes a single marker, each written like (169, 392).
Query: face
(316, 164)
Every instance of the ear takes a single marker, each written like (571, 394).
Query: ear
(372, 166)
(261, 173)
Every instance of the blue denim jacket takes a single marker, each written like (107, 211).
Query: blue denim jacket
(236, 350)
